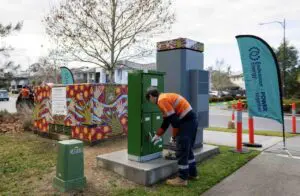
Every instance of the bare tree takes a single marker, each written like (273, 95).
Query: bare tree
(220, 77)
(102, 32)
(43, 71)
(6, 30)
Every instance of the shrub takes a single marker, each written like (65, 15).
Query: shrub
(239, 97)
(286, 108)
(213, 99)
(228, 98)
(287, 105)
(27, 118)
(216, 99)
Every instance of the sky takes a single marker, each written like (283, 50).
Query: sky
(212, 22)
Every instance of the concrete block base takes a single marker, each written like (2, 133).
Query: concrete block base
(64, 186)
(150, 172)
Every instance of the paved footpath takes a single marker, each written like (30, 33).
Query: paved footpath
(272, 173)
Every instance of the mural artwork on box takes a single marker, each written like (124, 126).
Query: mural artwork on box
(110, 108)
(94, 111)
(180, 43)
(97, 111)
(42, 110)
(79, 104)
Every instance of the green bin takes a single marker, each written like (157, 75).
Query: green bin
(70, 166)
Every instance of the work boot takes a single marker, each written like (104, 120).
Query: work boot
(177, 182)
(193, 177)
(171, 156)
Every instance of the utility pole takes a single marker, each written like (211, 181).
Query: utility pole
(283, 25)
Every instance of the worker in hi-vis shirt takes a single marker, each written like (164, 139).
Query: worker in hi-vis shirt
(178, 112)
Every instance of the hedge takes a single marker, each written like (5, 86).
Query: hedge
(225, 98)
(287, 105)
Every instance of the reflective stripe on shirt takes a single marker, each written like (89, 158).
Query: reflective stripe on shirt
(185, 112)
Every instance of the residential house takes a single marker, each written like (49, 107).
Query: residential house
(238, 79)
(18, 81)
(80, 74)
(100, 75)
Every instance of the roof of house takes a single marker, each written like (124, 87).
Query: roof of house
(236, 75)
(133, 65)
(123, 64)
(80, 69)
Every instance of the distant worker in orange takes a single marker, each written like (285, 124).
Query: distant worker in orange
(178, 112)
(25, 92)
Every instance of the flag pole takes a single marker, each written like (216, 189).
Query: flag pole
(254, 57)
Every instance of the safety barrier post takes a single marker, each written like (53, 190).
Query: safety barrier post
(293, 118)
(251, 133)
(231, 122)
(239, 130)
(233, 113)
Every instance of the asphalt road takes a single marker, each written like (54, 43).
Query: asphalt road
(10, 105)
(219, 117)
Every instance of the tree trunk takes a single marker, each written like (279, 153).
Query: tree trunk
(112, 76)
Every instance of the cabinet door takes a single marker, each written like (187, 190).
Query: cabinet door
(146, 135)
(156, 123)
(151, 80)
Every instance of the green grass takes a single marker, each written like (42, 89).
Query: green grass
(220, 103)
(27, 159)
(210, 171)
(24, 159)
(225, 102)
(256, 132)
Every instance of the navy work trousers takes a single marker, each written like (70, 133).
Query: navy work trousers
(184, 143)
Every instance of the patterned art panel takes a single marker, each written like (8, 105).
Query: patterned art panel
(79, 104)
(41, 125)
(91, 134)
(110, 108)
(94, 111)
(42, 110)
(180, 43)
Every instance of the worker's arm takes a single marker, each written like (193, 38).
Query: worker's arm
(173, 120)
(169, 118)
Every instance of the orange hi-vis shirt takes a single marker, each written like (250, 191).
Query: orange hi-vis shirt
(172, 103)
(25, 93)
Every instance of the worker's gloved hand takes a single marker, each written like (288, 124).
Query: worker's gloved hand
(172, 140)
(156, 139)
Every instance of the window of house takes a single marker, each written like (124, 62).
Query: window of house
(107, 78)
(119, 72)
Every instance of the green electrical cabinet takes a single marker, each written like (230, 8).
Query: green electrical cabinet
(70, 166)
(144, 118)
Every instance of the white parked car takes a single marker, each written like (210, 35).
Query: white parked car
(213, 94)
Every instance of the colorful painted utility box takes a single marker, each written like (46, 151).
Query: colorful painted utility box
(89, 112)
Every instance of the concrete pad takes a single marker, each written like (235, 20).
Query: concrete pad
(268, 174)
(150, 172)
(229, 139)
